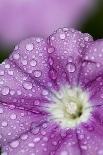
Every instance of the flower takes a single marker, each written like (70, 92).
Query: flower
(20, 19)
(51, 96)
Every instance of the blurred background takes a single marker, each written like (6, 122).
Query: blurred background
(92, 24)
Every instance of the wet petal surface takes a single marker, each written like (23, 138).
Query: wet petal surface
(69, 48)
(67, 57)
(18, 88)
(92, 66)
(14, 122)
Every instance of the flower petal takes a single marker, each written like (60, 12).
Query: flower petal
(31, 57)
(14, 122)
(16, 87)
(93, 62)
(44, 139)
(91, 134)
(70, 46)
(69, 145)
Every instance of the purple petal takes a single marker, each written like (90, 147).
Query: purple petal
(14, 122)
(91, 134)
(93, 62)
(69, 48)
(31, 57)
(16, 87)
(47, 139)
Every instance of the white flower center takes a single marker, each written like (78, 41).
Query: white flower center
(70, 107)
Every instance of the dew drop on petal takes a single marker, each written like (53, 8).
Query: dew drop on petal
(5, 90)
(24, 62)
(16, 56)
(51, 50)
(33, 63)
(4, 124)
(2, 72)
(37, 73)
(62, 36)
(14, 144)
(29, 47)
(13, 116)
(36, 139)
(24, 137)
(31, 145)
(45, 92)
(27, 85)
(71, 67)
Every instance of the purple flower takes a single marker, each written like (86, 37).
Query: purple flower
(51, 96)
(20, 19)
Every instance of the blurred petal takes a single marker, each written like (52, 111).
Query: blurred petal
(20, 19)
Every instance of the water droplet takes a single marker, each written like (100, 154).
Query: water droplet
(45, 92)
(13, 116)
(5, 90)
(45, 139)
(33, 63)
(27, 85)
(31, 145)
(1, 72)
(62, 36)
(7, 66)
(10, 72)
(29, 47)
(14, 144)
(71, 67)
(24, 62)
(37, 73)
(51, 50)
(4, 124)
(16, 56)
(24, 137)
(36, 139)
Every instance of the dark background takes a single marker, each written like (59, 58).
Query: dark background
(93, 25)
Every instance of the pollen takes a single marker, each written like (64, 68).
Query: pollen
(70, 107)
